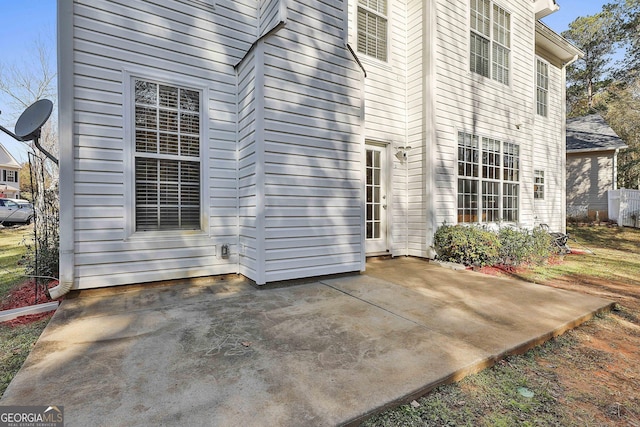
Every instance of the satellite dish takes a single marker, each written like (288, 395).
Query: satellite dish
(32, 119)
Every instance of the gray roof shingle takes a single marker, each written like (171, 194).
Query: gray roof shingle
(591, 133)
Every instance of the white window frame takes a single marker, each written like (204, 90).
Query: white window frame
(365, 7)
(538, 184)
(169, 79)
(493, 36)
(542, 87)
(488, 179)
(10, 176)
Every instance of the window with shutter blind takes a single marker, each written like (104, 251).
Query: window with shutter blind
(490, 40)
(167, 157)
(372, 28)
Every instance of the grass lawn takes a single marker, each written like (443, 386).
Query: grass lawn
(12, 249)
(15, 341)
(590, 376)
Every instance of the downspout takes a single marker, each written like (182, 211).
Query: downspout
(66, 138)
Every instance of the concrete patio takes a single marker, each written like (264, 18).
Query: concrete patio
(220, 352)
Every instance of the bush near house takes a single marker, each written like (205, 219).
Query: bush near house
(477, 246)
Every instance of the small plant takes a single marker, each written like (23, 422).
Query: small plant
(468, 245)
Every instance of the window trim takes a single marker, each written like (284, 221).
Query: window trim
(387, 19)
(502, 182)
(171, 79)
(539, 60)
(492, 45)
(538, 186)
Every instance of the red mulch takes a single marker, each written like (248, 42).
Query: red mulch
(24, 296)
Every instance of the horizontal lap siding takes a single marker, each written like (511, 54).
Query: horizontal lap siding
(548, 155)
(416, 243)
(198, 44)
(386, 118)
(312, 151)
(247, 166)
(469, 102)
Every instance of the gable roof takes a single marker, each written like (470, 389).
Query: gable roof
(591, 133)
(7, 160)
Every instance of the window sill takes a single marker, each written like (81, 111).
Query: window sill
(156, 235)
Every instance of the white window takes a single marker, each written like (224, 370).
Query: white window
(10, 176)
(488, 179)
(538, 184)
(542, 88)
(166, 157)
(372, 28)
(490, 40)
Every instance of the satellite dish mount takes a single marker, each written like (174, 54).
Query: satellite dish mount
(29, 125)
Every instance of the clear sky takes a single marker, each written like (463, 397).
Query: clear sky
(23, 21)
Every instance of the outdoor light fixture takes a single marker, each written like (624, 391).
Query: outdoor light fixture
(403, 152)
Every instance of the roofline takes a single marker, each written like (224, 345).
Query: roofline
(557, 45)
(11, 158)
(591, 150)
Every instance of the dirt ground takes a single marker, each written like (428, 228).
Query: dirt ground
(600, 372)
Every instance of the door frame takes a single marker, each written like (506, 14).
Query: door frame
(385, 178)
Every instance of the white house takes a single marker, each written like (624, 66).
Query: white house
(9, 174)
(283, 139)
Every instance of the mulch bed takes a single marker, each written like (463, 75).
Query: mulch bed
(25, 296)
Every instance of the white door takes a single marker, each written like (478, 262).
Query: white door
(376, 200)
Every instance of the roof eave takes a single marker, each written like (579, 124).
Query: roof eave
(545, 8)
(556, 45)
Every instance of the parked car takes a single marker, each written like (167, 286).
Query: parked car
(13, 212)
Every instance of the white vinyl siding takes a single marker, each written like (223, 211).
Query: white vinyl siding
(192, 47)
(373, 28)
(490, 40)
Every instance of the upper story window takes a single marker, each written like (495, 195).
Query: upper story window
(488, 179)
(490, 40)
(167, 157)
(372, 28)
(9, 176)
(542, 88)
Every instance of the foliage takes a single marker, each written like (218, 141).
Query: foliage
(597, 36)
(519, 246)
(468, 245)
(477, 246)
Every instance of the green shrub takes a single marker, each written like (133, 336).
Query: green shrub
(468, 245)
(520, 246)
(476, 246)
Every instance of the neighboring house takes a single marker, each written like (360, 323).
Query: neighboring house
(284, 139)
(592, 153)
(9, 175)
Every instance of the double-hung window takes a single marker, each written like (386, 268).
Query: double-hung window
(10, 176)
(488, 179)
(372, 28)
(542, 88)
(538, 184)
(490, 40)
(167, 157)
